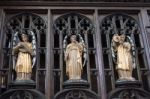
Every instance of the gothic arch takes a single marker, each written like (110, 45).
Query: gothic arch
(22, 22)
(116, 23)
(66, 25)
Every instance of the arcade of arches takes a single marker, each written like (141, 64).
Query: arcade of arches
(95, 26)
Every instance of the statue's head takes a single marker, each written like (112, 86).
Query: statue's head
(73, 38)
(24, 37)
(122, 38)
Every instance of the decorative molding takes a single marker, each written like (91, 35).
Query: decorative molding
(83, 4)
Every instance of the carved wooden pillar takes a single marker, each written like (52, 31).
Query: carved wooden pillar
(101, 75)
(49, 59)
(145, 31)
(145, 28)
(1, 34)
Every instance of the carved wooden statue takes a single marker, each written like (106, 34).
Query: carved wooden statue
(73, 58)
(24, 52)
(124, 57)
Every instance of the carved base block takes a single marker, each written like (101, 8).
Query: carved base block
(77, 83)
(128, 84)
(23, 84)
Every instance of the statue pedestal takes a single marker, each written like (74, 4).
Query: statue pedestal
(22, 84)
(128, 84)
(76, 89)
(21, 89)
(128, 90)
(79, 83)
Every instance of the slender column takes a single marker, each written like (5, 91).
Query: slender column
(49, 59)
(101, 75)
(1, 35)
(145, 31)
(145, 25)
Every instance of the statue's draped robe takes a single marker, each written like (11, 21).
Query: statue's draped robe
(24, 63)
(124, 58)
(74, 60)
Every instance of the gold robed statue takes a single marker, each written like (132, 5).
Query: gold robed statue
(24, 53)
(73, 58)
(124, 57)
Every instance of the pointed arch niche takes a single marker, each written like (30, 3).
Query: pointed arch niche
(128, 24)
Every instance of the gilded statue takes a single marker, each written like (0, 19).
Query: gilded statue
(24, 51)
(124, 58)
(73, 58)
